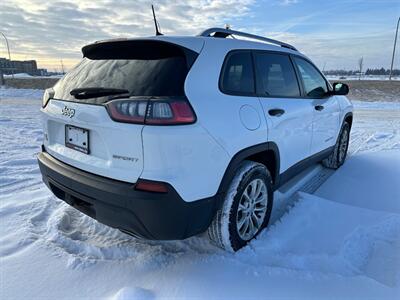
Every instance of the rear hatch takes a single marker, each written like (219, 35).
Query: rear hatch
(77, 123)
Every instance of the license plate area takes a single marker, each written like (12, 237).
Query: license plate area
(77, 138)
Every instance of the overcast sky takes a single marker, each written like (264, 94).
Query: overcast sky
(333, 33)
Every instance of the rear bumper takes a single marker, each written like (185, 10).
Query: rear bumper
(117, 204)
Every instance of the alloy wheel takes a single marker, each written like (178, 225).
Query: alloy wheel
(252, 209)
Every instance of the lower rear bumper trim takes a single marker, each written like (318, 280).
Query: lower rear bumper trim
(156, 216)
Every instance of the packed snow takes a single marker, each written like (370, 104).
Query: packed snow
(18, 75)
(27, 76)
(332, 234)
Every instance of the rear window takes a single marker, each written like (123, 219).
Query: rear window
(238, 74)
(143, 68)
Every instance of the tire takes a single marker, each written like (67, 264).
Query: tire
(338, 156)
(242, 208)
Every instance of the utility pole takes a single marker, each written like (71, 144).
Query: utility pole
(8, 49)
(394, 49)
(360, 67)
(62, 67)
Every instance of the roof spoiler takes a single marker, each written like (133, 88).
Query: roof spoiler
(137, 49)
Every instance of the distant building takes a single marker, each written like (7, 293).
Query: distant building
(6, 66)
(16, 66)
(42, 72)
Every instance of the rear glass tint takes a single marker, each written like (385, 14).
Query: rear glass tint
(238, 75)
(143, 72)
(277, 75)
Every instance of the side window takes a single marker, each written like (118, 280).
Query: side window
(277, 75)
(238, 75)
(314, 84)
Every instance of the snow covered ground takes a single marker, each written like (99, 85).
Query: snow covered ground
(363, 77)
(6, 93)
(333, 234)
(27, 76)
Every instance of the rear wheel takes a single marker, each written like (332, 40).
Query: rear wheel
(246, 209)
(338, 156)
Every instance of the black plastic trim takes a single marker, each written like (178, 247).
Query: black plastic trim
(302, 165)
(349, 114)
(280, 178)
(117, 204)
(240, 157)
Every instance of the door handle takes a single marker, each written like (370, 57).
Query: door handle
(276, 112)
(319, 107)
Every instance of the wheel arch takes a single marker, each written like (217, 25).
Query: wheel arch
(348, 118)
(265, 153)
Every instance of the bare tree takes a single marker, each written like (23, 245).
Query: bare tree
(360, 67)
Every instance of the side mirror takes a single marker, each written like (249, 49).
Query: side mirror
(340, 89)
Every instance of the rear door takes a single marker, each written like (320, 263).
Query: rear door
(78, 128)
(289, 116)
(326, 108)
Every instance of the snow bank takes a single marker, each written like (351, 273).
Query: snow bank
(364, 181)
(323, 236)
(19, 75)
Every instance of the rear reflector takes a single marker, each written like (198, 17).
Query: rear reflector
(152, 112)
(151, 186)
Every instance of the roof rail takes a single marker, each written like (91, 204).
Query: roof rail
(223, 33)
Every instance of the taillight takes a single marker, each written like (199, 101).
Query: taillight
(152, 112)
(171, 112)
(128, 111)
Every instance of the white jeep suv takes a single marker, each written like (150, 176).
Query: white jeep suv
(168, 137)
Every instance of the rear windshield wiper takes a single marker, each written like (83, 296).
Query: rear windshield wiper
(94, 92)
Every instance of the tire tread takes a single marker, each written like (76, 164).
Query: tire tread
(215, 231)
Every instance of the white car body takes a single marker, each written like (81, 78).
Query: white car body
(194, 158)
